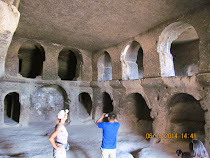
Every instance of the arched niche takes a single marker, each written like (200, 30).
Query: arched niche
(132, 61)
(11, 108)
(86, 105)
(104, 66)
(31, 56)
(70, 62)
(107, 103)
(178, 50)
(47, 101)
(186, 115)
(136, 114)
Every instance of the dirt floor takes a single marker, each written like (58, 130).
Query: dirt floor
(85, 141)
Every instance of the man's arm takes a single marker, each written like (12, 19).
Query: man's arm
(101, 118)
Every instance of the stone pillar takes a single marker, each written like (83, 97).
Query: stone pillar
(72, 94)
(151, 61)
(25, 109)
(204, 55)
(9, 18)
(11, 61)
(97, 101)
(115, 54)
(207, 132)
(94, 66)
(118, 91)
(85, 68)
(50, 65)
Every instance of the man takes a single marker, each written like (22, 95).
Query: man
(110, 129)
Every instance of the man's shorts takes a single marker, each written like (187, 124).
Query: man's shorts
(105, 153)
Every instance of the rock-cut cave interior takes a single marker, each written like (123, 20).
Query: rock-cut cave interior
(147, 61)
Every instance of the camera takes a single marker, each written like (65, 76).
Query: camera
(107, 115)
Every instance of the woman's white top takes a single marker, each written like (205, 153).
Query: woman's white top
(62, 136)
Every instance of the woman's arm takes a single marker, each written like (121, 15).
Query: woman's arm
(52, 139)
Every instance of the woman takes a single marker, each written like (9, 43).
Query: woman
(59, 137)
(197, 149)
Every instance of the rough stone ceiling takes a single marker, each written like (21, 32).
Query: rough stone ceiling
(96, 24)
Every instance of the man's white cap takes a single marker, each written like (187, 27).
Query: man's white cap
(62, 113)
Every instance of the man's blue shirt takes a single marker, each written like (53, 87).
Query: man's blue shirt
(109, 134)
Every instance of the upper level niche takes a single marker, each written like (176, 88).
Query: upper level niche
(69, 64)
(132, 61)
(31, 56)
(104, 67)
(178, 49)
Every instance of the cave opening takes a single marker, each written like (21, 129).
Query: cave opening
(11, 108)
